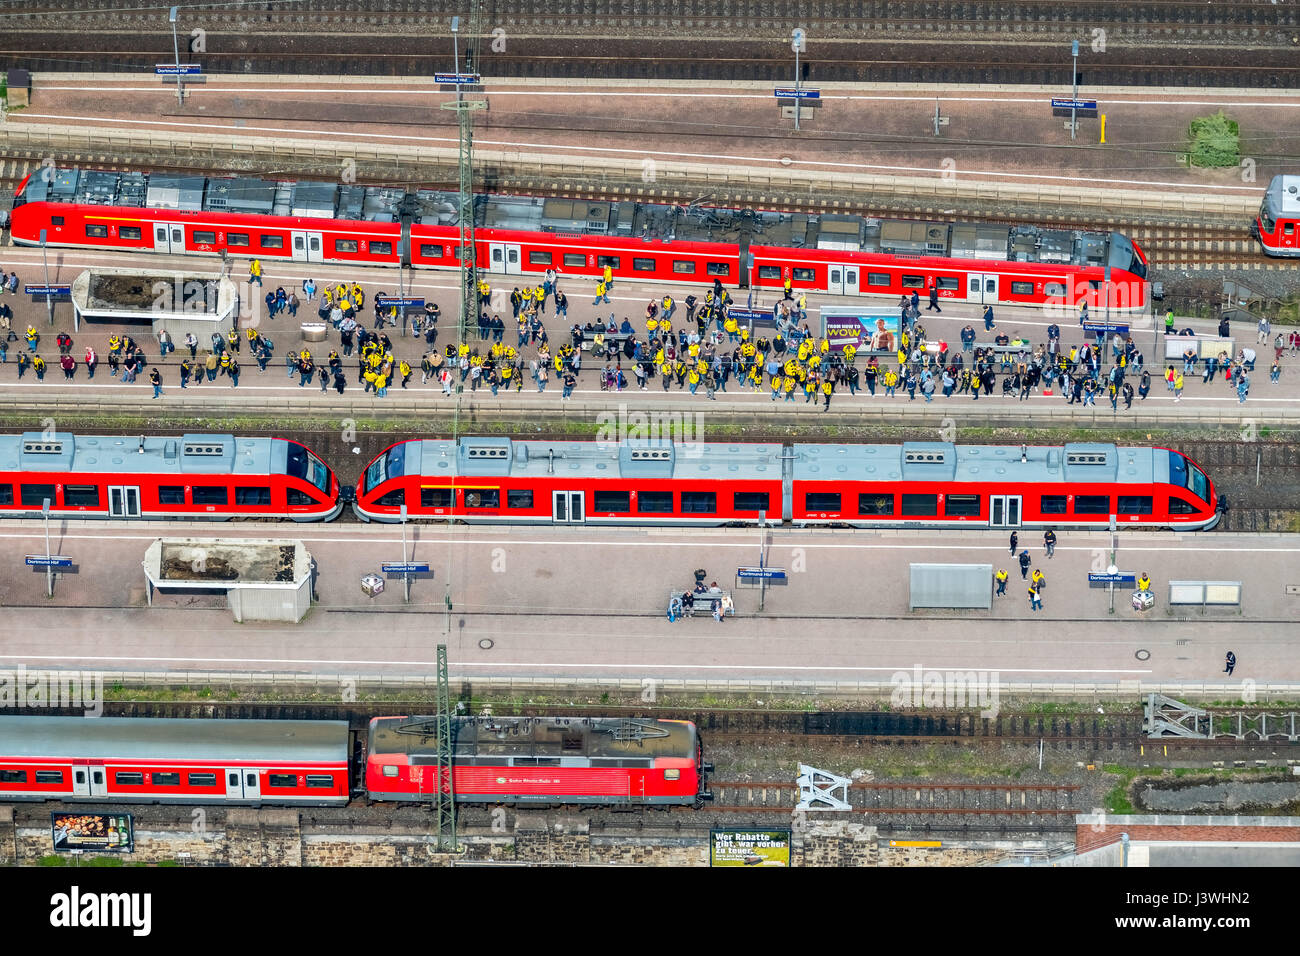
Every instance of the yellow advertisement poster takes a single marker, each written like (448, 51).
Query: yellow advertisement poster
(749, 848)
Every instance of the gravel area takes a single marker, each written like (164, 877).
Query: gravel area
(1210, 795)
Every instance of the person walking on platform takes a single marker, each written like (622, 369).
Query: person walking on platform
(988, 320)
(1015, 540)
(1024, 565)
(1049, 542)
(155, 379)
(934, 298)
(1001, 577)
(1035, 600)
(255, 272)
(1230, 662)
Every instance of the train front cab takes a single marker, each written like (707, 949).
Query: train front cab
(1277, 227)
(311, 486)
(1194, 504)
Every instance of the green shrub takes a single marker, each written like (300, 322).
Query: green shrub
(1214, 142)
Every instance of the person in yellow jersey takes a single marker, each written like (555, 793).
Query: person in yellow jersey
(255, 272)
(828, 389)
(405, 369)
(602, 293)
(608, 276)
(1144, 582)
(776, 387)
(787, 386)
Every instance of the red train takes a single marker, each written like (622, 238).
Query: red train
(163, 760)
(541, 760)
(523, 236)
(1277, 227)
(659, 482)
(192, 476)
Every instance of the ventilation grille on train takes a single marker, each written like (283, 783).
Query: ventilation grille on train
(651, 454)
(487, 453)
(925, 456)
(1086, 458)
(201, 448)
(42, 448)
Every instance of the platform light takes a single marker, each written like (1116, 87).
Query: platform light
(176, 51)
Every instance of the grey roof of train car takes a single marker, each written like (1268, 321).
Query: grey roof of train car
(188, 454)
(1283, 196)
(541, 736)
(133, 738)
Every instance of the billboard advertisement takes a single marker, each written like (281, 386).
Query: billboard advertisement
(749, 847)
(97, 832)
(865, 331)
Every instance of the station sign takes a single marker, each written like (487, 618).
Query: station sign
(400, 302)
(170, 69)
(1069, 104)
(48, 290)
(1119, 577)
(770, 574)
(1096, 327)
(48, 561)
(453, 78)
(750, 315)
(786, 93)
(403, 567)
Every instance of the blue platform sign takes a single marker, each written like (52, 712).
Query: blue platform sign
(403, 302)
(1120, 577)
(770, 574)
(48, 561)
(750, 315)
(1095, 327)
(443, 78)
(64, 290)
(1068, 104)
(170, 69)
(403, 567)
(786, 93)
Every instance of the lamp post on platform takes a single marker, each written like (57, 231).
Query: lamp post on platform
(49, 299)
(176, 50)
(1074, 122)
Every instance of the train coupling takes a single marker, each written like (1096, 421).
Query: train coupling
(347, 494)
(706, 767)
(705, 795)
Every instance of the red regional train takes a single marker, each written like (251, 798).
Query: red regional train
(661, 482)
(1277, 227)
(193, 476)
(541, 760)
(166, 760)
(523, 236)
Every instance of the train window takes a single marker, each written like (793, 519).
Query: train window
(1052, 504)
(878, 278)
(56, 220)
(750, 501)
(1177, 506)
(686, 267)
(961, 506)
(345, 245)
(205, 236)
(519, 498)
(644, 265)
(13, 776)
(654, 502)
(281, 780)
(392, 498)
(699, 502)
(81, 496)
(482, 498)
(380, 247)
(390, 770)
(433, 497)
(202, 779)
(764, 272)
(913, 282)
(128, 778)
(130, 232)
(33, 495)
(1092, 504)
(1022, 288)
(319, 780)
(803, 275)
(1288, 229)
(822, 501)
(96, 231)
(49, 776)
(536, 761)
(538, 258)
(166, 779)
(429, 250)
(1054, 288)
(948, 282)
(1134, 505)
(722, 269)
(6, 494)
(171, 494)
(575, 259)
(672, 774)
(612, 501)
(252, 496)
(295, 497)
(455, 251)
(920, 505)
(611, 261)
(270, 241)
(236, 238)
(210, 495)
(875, 504)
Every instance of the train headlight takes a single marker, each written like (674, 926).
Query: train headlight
(672, 775)
(390, 770)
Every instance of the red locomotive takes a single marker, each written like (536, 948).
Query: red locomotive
(523, 236)
(192, 476)
(660, 482)
(548, 760)
(164, 760)
(1277, 227)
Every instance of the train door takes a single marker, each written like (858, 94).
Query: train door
(841, 279)
(123, 501)
(567, 507)
(168, 237)
(1004, 511)
(307, 247)
(81, 780)
(504, 257)
(98, 781)
(981, 288)
(242, 784)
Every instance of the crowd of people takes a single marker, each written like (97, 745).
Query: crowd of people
(696, 345)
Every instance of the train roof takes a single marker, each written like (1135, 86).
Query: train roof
(662, 458)
(649, 222)
(188, 454)
(1283, 196)
(138, 738)
(538, 736)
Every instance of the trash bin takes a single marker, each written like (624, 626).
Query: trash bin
(1143, 600)
(372, 584)
(314, 331)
